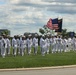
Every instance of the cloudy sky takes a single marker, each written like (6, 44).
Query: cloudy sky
(21, 16)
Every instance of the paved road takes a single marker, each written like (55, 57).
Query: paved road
(63, 71)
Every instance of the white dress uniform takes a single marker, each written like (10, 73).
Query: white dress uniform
(74, 44)
(4, 46)
(18, 45)
(56, 44)
(0, 45)
(22, 46)
(43, 46)
(59, 45)
(14, 45)
(35, 45)
(8, 46)
(64, 44)
(53, 44)
(47, 45)
(69, 41)
(25, 45)
(29, 45)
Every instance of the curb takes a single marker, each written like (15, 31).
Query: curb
(38, 68)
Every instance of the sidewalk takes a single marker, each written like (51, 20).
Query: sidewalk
(38, 68)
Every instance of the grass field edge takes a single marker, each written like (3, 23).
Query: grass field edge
(38, 68)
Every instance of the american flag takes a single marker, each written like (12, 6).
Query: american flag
(55, 23)
(59, 25)
(49, 24)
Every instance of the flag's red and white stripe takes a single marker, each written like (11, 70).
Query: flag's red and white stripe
(49, 24)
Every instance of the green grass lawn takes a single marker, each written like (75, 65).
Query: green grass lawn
(27, 61)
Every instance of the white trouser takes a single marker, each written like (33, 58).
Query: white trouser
(64, 48)
(14, 51)
(53, 48)
(47, 49)
(18, 50)
(22, 51)
(69, 46)
(59, 47)
(35, 49)
(0, 50)
(8, 50)
(3, 51)
(74, 47)
(29, 50)
(43, 50)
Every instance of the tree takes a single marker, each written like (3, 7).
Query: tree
(64, 32)
(4, 31)
(45, 30)
(41, 31)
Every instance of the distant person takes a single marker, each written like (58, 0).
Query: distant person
(59, 44)
(22, 46)
(4, 46)
(18, 45)
(8, 45)
(43, 45)
(35, 44)
(40, 43)
(29, 44)
(65, 44)
(14, 45)
(0, 44)
(74, 43)
(47, 38)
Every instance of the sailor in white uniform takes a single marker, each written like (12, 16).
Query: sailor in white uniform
(64, 44)
(73, 43)
(18, 45)
(59, 44)
(0, 44)
(40, 42)
(43, 45)
(35, 44)
(22, 46)
(4, 46)
(29, 44)
(14, 45)
(47, 44)
(53, 44)
(8, 45)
